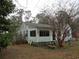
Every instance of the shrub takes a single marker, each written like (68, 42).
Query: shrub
(4, 40)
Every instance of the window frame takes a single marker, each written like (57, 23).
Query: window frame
(44, 33)
(32, 33)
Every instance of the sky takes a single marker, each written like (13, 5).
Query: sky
(34, 5)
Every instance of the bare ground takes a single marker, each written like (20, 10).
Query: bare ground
(26, 51)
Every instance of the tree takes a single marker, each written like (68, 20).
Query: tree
(66, 16)
(6, 7)
(61, 16)
(14, 27)
(62, 25)
(57, 26)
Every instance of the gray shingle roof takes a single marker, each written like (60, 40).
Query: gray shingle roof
(38, 25)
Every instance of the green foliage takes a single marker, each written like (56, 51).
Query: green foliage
(4, 40)
(6, 7)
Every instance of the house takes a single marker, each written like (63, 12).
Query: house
(36, 32)
(39, 33)
(68, 33)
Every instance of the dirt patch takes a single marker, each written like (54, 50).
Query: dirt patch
(26, 51)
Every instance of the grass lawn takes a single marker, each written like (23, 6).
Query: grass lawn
(29, 52)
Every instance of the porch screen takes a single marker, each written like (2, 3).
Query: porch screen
(43, 33)
(33, 33)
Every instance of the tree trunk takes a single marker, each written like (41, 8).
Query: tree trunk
(61, 40)
(60, 43)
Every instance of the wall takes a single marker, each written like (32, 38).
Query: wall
(45, 38)
(38, 38)
(32, 39)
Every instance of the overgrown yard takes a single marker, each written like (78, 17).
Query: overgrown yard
(29, 52)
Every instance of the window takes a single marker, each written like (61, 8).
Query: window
(33, 33)
(44, 33)
(53, 35)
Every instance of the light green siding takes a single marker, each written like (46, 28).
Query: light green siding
(38, 38)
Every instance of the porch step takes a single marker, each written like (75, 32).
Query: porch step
(51, 46)
(48, 44)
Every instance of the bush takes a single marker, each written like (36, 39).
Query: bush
(4, 40)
